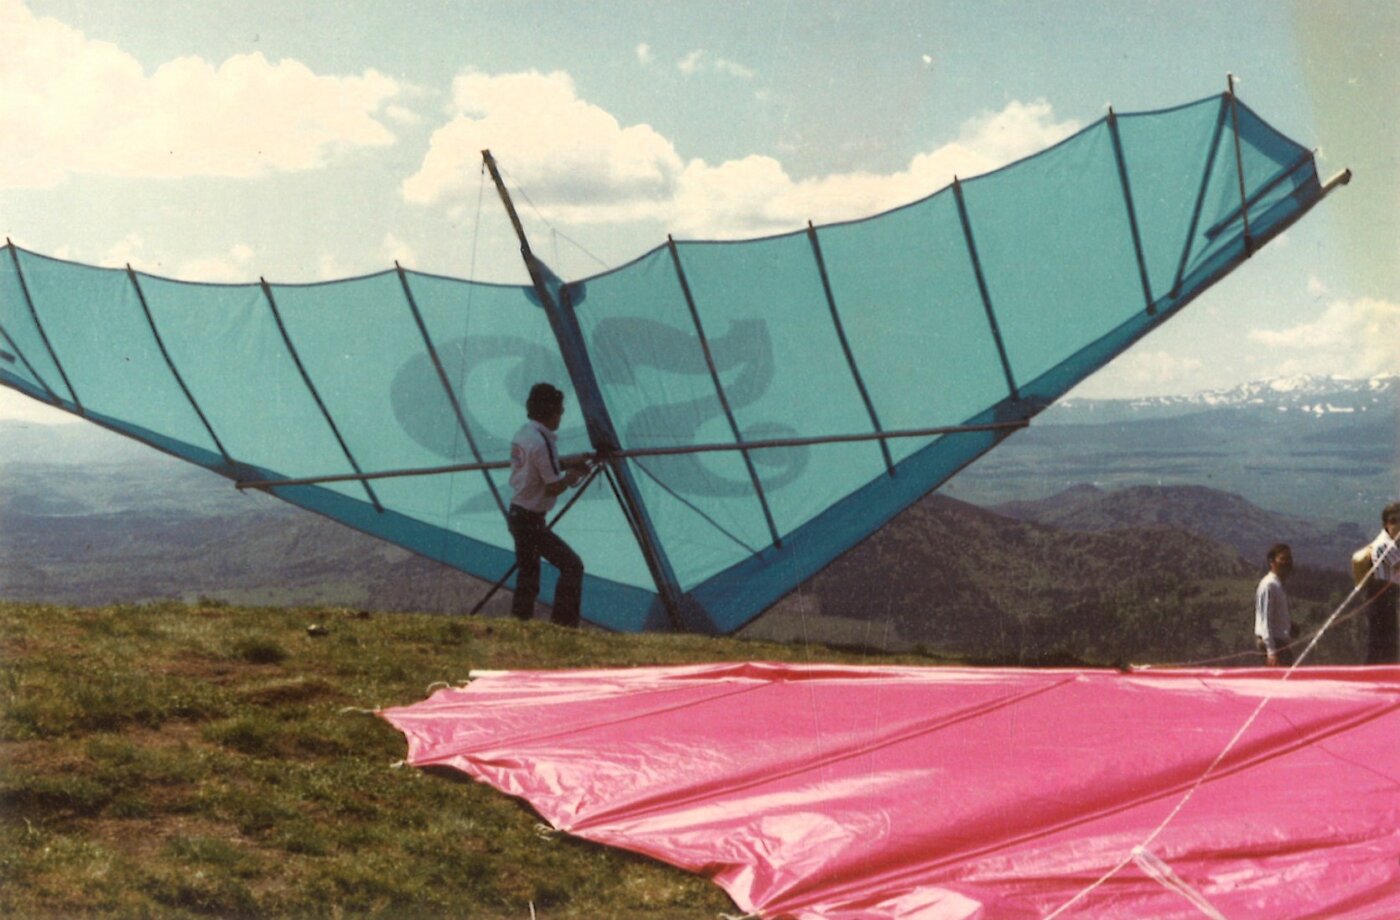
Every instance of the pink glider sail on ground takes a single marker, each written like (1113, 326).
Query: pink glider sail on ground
(841, 792)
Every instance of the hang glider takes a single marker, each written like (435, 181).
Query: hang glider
(763, 405)
(845, 792)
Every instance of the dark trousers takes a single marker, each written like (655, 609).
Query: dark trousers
(1284, 656)
(1381, 639)
(534, 539)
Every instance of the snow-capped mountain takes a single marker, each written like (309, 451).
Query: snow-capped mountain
(1307, 395)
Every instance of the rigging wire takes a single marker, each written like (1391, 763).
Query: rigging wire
(555, 233)
(458, 435)
(1142, 847)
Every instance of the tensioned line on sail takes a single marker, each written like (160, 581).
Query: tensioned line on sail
(652, 452)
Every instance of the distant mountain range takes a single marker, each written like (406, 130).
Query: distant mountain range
(1225, 518)
(1306, 395)
(1320, 448)
(1116, 530)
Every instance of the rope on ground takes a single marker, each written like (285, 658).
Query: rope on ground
(1214, 764)
(1354, 612)
(360, 709)
(1157, 870)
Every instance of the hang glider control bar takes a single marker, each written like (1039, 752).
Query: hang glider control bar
(650, 452)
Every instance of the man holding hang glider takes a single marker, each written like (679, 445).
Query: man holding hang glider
(1384, 589)
(538, 478)
(1273, 630)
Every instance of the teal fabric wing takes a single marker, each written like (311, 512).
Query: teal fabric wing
(767, 403)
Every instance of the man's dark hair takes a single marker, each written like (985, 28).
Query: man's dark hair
(543, 401)
(1277, 550)
(1391, 513)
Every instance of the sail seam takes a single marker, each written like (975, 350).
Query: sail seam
(846, 345)
(719, 390)
(446, 383)
(43, 336)
(170, 363)
(311, 387)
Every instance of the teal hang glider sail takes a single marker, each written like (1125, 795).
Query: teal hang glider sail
(762, 405)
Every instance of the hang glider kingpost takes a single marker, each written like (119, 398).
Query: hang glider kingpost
(764, 405)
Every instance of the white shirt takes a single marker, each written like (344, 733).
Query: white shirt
(1271, 621)
(534, 464)
(1385, 554)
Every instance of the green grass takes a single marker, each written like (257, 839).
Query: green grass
(205, 760)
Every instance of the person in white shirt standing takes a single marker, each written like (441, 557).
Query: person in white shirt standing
(1273, 630)
(538, 479)
(1383, 590)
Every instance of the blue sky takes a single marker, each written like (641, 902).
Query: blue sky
(300, 141)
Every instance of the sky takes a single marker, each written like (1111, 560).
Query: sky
(227, 141)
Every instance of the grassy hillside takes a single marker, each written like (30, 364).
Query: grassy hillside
(201, 760)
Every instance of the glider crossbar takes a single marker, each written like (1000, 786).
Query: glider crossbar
(650, 452)
(1219, 226)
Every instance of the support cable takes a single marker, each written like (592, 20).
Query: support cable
(43, 336)
(311, 387)
(170, 363)
(719, 390)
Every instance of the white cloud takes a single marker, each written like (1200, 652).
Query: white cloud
(396, 250)
(699, 61)
(236, 265)
(403, 115)
(1356, 338)
(1142, 373)
(1315, 286)
(16, 407)
(574, 159)
(329, 267)
(578, 164)
(691, 62)
(734, 69)
(644, 55)
(754, 196)
(124, 252)
(69, 104)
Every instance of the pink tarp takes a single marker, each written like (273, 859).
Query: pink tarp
(891, 792)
